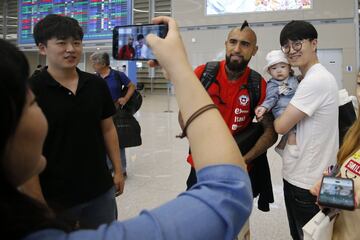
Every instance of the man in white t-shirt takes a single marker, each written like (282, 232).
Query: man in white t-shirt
(314, 111)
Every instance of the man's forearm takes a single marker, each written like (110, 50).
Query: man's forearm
(112, 149)
(268, 139)
(32, 188)
(130, 91)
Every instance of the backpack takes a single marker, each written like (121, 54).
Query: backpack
(135, 101)
(208, 77)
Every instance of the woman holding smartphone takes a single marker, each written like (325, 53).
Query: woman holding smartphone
(218, 205)
(346, 225)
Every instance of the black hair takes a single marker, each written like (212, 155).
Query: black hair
(20, 214)
(139, 37)
(39, 66)
(244, 25)
(60, 27)
(15, 70)
(297, 30)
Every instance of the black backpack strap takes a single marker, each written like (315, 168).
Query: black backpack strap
(254, 88)
(118, 80)
(208, 76)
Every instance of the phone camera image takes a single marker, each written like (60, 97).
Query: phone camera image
(337, 193)
(129, 42)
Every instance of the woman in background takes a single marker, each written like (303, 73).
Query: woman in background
(348, 158)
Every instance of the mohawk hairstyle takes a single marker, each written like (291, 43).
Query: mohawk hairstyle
(244, 25)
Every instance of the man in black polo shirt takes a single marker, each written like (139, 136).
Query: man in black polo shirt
(76, 182)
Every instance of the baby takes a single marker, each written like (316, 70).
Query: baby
(279, 91)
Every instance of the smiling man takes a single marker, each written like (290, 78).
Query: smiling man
(76, 182)
(314, 111)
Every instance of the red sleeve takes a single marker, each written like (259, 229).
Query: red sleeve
(262, 91)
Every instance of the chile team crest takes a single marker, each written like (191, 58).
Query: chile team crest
(244, 99)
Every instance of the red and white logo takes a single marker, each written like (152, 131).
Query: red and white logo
(244, 99)
(353, 167)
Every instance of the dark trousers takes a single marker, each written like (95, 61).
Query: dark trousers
(90, 215)
(192, 179)
(300, 208)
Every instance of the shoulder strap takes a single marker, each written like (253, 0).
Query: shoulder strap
(123, 88)
(254, 88)
(208, 76)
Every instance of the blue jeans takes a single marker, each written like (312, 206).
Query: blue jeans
(300, 208)
(123, 161)
(92, 214)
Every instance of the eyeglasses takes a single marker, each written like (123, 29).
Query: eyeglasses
(296, 45)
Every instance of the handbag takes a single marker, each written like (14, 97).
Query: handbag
(134, 103)
(128, 129)
(320, 227)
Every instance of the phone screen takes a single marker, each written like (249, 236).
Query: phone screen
(337, 193)
(129, 42)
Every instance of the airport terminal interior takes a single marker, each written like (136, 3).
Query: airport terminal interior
(157, 170)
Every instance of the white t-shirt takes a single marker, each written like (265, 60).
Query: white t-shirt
(317, 134)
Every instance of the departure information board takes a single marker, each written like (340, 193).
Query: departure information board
(96, 17)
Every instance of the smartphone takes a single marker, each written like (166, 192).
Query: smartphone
(337, 193)
(129, 42)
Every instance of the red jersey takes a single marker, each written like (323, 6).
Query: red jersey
(126, 52)
(231, 98)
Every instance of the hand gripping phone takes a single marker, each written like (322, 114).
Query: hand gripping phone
(129, 42)
(337, 193)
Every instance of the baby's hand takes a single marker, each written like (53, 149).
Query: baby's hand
(259, 112)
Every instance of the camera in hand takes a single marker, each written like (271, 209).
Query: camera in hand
(129, 42)
(337, 193)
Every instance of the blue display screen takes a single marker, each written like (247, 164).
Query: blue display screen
(96, 17)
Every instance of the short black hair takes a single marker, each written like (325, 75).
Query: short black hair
(139, 37)
(60, 27)
(297, 30)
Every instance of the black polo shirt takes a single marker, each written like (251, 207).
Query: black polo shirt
(76, 170)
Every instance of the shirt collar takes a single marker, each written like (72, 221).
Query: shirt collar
(52, 82)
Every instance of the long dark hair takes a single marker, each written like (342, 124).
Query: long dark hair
(20, 215)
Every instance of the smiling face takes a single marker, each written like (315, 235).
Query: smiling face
(23, 157)
(280, 71)
(62, 53)
(240, 47)
(301, 53)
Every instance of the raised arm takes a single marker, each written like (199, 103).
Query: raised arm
(191, 96)
(220, 203)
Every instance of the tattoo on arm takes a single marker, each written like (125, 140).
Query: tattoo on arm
(268, 138)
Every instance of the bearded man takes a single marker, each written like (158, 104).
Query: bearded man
(232, 96)
(230, 91)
